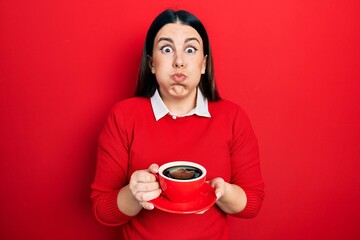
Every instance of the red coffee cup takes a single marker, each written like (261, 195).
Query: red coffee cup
(180, 181)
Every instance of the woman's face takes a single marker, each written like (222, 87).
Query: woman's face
(178, 61)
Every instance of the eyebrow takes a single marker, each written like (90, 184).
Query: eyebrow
(165, 39)
(192, 39)
(186, 40)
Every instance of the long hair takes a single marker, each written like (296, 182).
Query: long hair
(147, 83)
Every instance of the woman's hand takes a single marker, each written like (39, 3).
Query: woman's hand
(230, 197)
(144, 187)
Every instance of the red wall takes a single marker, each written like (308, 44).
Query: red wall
(294, 66)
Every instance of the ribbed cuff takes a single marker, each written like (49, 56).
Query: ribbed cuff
(252, 207)
(107, 211)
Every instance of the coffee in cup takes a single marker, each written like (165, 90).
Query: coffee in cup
(182, 172)
(180, 181)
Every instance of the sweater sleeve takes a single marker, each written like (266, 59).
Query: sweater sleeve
(245, 163)
(111, 170)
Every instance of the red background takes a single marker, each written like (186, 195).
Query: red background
(294, 66)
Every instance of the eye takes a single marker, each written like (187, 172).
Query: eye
(190, 50)
(166, 49)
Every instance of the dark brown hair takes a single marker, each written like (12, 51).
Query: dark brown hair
(147, 83)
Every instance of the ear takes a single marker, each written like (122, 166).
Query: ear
(203, 68)
(151, 64)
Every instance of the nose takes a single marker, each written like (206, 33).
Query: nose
(179, 61)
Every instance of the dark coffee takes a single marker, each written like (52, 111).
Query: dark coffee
(182, 172)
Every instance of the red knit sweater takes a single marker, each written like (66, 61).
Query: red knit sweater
(132, 139)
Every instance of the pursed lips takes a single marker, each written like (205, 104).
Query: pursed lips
(178, 77)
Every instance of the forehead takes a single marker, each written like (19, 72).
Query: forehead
(177, 30)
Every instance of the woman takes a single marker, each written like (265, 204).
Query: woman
(177, 114)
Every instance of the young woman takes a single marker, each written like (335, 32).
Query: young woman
(177, 114)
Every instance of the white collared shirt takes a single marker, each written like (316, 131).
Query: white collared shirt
(160, 110)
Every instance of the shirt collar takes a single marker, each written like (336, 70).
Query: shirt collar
(160, 110)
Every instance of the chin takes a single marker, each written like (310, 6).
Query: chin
(179, 92)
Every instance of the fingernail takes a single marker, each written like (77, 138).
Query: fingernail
(218, 195)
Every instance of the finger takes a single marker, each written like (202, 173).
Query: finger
(147, 196)
(143, 176)
(219, 186)
(145, 187)
(154, 168)
(147, 205)
(216, 181)
(219, 190)
(218, 194)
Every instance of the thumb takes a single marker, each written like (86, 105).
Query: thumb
(154, 168)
